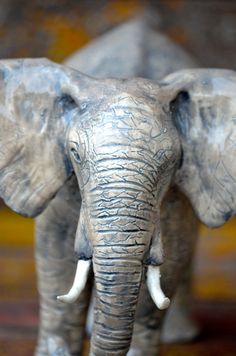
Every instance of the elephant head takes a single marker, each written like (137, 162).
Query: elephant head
(124, 149)
(203, 108)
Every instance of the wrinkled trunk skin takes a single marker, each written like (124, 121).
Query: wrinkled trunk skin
(123, 235)
(179, 232)
(61, 325)
(117, 290)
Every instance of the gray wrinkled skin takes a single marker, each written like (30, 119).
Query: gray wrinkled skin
(123, 140)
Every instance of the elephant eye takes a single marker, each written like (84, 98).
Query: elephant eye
(75, 154)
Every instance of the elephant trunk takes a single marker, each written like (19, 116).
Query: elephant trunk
(124, 230)
(117, 287)
(122, 238)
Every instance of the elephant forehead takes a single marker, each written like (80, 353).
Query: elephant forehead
(133, 118)
(129, 124)
(120, 138)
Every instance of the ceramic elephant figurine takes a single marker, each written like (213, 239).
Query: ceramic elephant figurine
(127, 142)
(50, 111)
(106, 56)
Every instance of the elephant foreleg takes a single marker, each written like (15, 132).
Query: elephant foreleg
(179, 325)
(61, 330)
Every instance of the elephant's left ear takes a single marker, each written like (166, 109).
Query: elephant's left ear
(201, 103)
(38, 101)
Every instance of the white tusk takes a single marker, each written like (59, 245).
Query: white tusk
(80, 280)
(154, 287)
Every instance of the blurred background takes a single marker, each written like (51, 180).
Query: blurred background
(55, 29)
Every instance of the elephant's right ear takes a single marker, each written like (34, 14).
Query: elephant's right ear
(38, 100)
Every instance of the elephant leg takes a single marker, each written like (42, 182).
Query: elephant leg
(179, 231)
(61, 330)
(179, 325)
